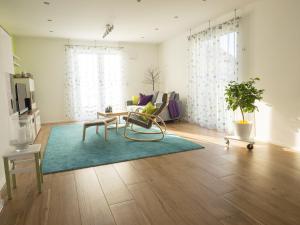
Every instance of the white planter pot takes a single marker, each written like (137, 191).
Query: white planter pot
(243, 130)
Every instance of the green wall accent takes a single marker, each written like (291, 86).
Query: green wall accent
(13, 41)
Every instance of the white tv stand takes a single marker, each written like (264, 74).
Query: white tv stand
(31, 119)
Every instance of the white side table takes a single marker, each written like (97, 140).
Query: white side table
(32, 154)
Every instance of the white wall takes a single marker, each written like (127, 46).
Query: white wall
(271, 50)
(274, 54)
(45, 58)
(173, 61)
(6, 67)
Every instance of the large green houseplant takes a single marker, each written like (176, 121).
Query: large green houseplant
(243, 96)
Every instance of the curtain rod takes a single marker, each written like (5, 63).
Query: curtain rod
(93, 46)
(213, 27)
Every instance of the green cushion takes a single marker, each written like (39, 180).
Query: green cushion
(148, 109)
(135, 100)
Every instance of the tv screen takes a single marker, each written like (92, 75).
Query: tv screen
(21, 94)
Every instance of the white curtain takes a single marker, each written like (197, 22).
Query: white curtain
(213, 62)
(93, 81)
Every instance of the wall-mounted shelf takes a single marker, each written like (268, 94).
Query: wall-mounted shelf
(16, 57)
(16, 61)
(17, 64)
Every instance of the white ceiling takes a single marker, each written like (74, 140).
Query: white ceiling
(86, 19)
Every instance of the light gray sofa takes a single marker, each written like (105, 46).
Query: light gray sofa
(157, 102)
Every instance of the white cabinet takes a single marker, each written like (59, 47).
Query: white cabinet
(30, 88)
(29, 82)
(37, 121)
(28, 122)
(32, 120)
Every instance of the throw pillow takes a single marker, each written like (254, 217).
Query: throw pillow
(148, 109)
(135, 100)
(144, 99)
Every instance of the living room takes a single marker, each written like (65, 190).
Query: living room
(149, 112)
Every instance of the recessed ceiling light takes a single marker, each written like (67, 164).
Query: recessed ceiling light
(46, 3)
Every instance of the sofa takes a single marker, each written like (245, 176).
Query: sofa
(157, 101)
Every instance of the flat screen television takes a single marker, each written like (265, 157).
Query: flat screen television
(21, 94)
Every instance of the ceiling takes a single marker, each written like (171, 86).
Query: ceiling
(144, 21)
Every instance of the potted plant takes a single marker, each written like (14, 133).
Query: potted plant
(242, 96)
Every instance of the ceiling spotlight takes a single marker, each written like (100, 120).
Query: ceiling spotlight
(46, 3)
(108, 29)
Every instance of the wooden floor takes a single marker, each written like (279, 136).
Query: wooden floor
(210, 186)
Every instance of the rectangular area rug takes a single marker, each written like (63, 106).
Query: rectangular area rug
(66, 150)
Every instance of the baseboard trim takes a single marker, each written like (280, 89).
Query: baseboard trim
(2, 198)
(1, 205)
(59, 122)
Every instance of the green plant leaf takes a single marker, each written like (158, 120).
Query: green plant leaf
(243, 95)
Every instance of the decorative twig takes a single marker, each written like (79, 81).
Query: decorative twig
(152, 77)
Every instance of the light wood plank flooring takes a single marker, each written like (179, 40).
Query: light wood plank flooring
(211, 186)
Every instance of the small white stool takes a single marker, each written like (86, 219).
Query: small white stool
(32, 154)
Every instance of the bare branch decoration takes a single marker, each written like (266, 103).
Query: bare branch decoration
(152, 77)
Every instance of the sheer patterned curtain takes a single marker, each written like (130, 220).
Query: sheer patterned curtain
(93, 81)
(213, 62)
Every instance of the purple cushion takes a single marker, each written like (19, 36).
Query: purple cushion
(144, 99)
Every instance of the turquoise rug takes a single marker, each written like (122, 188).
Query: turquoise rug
(66, 151)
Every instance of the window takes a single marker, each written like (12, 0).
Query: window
(94, 78)
(213, 63)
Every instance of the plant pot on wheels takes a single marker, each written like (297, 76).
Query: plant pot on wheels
(242, 96)
(242, 129)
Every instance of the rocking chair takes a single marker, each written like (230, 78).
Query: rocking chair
(146, 121)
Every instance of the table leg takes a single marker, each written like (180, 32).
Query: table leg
(83, 134)
(41, 167)
(105, 131)
(14, 177)
(38, 172)
(117, 125)
(97, 127)
(7, 177)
